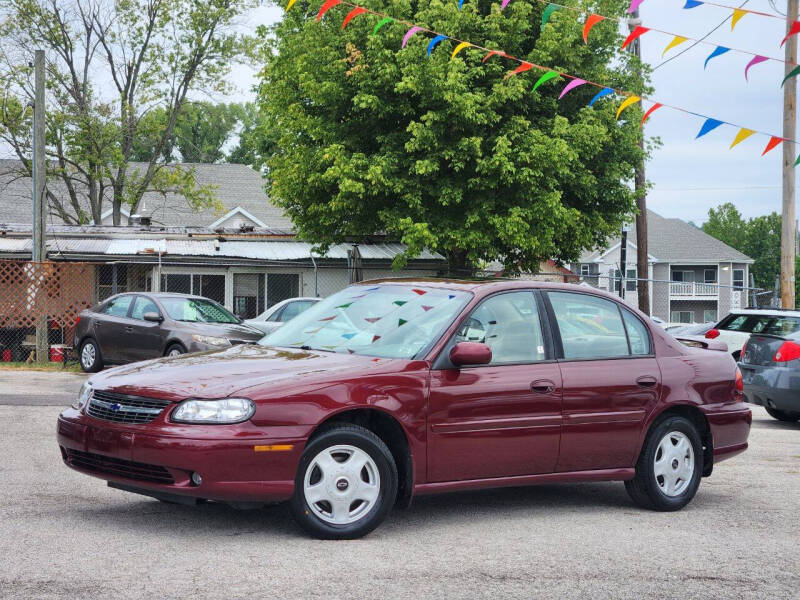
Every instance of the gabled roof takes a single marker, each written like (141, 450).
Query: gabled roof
(237, 186)
(676, 241)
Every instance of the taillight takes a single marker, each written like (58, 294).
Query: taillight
(712, 333)
(738, 387)
(744, 347)
(77, 320)
(788, 351)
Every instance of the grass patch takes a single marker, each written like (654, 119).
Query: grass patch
(48, 366)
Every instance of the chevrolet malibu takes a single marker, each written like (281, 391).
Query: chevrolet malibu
(395, 388)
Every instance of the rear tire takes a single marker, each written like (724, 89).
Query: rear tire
(90, 359)
(783, 415)
(346, 484)
(670, 466)
(175, 350)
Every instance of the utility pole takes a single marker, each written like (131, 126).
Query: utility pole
(789, 131)
(642, 274)
(623, 260)
(39, 251)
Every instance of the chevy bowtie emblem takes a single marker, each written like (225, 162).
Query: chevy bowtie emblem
(115, 407)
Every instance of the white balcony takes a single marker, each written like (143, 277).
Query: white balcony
(689, 290)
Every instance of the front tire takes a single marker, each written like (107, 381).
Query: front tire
(783, 415)
(90, 358)
(346, 484)
(175, 350)
(669, 468)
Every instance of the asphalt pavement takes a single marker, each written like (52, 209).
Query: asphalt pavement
(67, 535)
(39, 388)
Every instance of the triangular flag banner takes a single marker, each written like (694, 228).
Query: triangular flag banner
(459, 48)
(793, 30)
(797, 162)
(692, 4)
(676, 41)
(504, 4)
(650, 111)
(756, 59)
(401, 322)
(571, 86)
(717, 52)
(591, 21)
(600, 94)
(408, 35)
(329, 4)
(525, 66)
(381, 23)
(460, 4)
(709, 125)
(435, 41)
(358, 10)
(328, 318)
(290, 5)
(773, 141)
(741, 136)
(348, 336)
(737, 15)
(626, 103)
(349, 304)
(546, 77)
(420, 292)
(793, 73)
(639, 31)
(375, 338)
(549, 10)
(372, 319)
(634, 6)
(491, 54)
(399, 302)
(426, 308)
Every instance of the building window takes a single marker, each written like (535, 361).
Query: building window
(585, 270)
(248, 294)
(710, 315)
(111, 279)
(682, 316)
(281, 286)
(710, 276)
(630, 281)
(209, 286)
(738, 278)
(683, 276)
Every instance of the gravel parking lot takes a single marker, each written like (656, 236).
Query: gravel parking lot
(66, 535)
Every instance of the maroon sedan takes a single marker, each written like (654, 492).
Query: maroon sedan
(395, 388)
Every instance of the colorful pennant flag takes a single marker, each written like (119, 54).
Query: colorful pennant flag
(548, 11)
(525, 66)
(372, 319)
(571, 86)
(381, 23)
(741, 136)
(797, 161)
(634, 6)
(692, 4)
(349, 304)
(419, 292)
(358, 10)
(401, 322)
(459, 48)
(329, 318)
(349, 336)
(773, 141)
(650, 111)
(626, 103)
(329, 4)
(600, 94)
(676, 41)
(790, 74)
(290, 5)
(460, 4)
(408, 35)
(435, 42)
(546, 77)
(639, 31)
(756, 59)
(504, 4)
(719, 50)
(591, 21)
(399, 302)
(375, 338)
(793, 30)
(708, 125)
(737, 16)
(491, 54)
(426, 308)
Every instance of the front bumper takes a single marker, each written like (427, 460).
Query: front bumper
(236, 463)
(771, 386)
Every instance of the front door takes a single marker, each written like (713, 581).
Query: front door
(143, 339)
(611, 380)
(109, 328)
(500, 419)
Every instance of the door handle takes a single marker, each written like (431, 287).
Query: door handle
(543, 386)
(128, 329)
(646, 381)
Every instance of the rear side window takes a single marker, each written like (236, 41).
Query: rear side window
(590, 327)
(293, 309)
(767, 324)
(117, 307)
(638, 335)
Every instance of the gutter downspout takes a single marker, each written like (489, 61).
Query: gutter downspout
(314, 262)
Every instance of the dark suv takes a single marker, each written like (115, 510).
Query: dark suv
(131, 327)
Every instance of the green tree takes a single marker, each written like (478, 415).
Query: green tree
(449, 154)
(727, 225)
(110, 64)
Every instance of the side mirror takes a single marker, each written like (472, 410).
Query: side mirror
(470, 353)
(152, 316)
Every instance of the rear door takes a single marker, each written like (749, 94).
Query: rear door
(611, 380)
(109, 327)
(143, 339)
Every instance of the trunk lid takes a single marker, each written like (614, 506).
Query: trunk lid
(761, 349)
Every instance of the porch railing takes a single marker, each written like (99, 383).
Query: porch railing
(693, 289)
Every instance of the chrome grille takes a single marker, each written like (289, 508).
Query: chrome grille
(97, 463)
(119, 408)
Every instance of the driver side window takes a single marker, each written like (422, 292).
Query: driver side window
(509, 324)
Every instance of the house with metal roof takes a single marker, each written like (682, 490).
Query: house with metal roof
(694, 277)
(242, 252)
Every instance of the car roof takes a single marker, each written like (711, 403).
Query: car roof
(775, 312)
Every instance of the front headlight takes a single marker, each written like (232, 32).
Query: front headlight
(83, 396)
(210, 340)
(225, 411)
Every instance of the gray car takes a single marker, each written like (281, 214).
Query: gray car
(770, 365)
(138, 326)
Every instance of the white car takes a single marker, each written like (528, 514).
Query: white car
(277, 314)
(735, 329)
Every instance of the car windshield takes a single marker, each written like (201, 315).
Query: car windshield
(197, 310)
(385, 320)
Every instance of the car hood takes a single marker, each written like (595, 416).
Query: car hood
(221, 373)
(234, 331)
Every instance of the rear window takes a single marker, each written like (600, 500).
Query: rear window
(767, 324)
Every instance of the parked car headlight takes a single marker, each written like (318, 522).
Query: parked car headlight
(210, 340)
(83, 396)
(225, 411)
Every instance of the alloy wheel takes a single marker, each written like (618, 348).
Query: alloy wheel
(88, 354)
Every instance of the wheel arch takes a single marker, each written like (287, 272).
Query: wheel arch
(389, 429)
(172, 342)
(693, 414)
